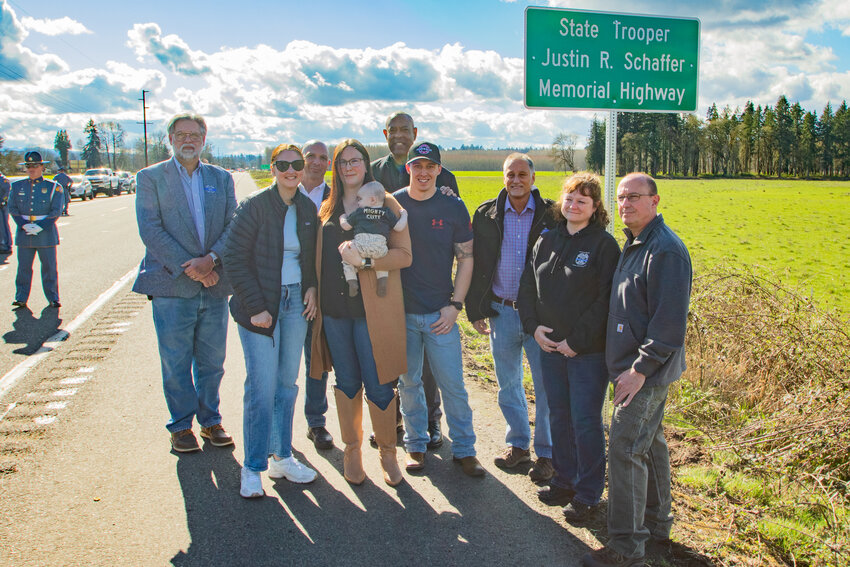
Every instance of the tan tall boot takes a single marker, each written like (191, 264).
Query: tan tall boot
(383, 423)
(350, 414)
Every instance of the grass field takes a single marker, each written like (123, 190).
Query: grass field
(765, 224)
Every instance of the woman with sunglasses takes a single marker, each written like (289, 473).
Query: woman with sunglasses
(270, 258)
(563, 302)
(364, 335)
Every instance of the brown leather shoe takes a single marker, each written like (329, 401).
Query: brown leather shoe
(415, 461)
(470, 466)
(184, 441)
(542, 471)
(512, 457)
(216, 435)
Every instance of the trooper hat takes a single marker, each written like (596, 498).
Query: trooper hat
(424, 150)
(33, 158)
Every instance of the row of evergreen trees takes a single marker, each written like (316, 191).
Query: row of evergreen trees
(770, 141)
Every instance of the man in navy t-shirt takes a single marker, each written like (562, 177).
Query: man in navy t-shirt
(440, 231)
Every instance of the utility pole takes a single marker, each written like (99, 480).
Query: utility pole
(145, 122)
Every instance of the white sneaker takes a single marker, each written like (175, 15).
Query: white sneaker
(252, 484)
(291, 469)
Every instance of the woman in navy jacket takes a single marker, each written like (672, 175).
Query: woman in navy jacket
(563, 302)
(270, 258)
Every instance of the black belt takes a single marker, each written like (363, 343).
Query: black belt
(508, 302)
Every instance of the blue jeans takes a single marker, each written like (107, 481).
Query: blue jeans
(315, 391)
(444, 356)
(192, 337)
(507, 341)
(639, 499)
(271, 367)
(49, 273)
(575, 388)
(354, 363)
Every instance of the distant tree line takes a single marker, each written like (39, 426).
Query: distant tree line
(767, 141)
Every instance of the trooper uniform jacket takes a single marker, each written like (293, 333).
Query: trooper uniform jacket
(39, 202)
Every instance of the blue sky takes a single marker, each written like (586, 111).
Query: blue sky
(265, 72)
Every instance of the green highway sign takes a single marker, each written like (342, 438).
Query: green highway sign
(605, 61)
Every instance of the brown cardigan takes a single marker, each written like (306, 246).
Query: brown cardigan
(384, 315)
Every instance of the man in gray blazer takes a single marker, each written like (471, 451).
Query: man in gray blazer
(183, 208)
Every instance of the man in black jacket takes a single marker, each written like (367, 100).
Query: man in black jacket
(315, 391)
(645, 353)
(505, 230)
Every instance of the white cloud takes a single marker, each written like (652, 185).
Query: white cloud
(171, 51)
(58, 26)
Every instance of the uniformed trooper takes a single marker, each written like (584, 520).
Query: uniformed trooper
(66, 182)
(34, 204)
(5, 233)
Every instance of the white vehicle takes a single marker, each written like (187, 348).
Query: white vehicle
(128, 181)
(103, 180)
(81, 188)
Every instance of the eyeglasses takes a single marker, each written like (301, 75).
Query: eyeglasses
(632, 197)
(353, 162)
(282, 165)
(183, 136)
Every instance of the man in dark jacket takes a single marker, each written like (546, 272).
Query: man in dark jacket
(505, 230)
(645, 353)
(315, 391)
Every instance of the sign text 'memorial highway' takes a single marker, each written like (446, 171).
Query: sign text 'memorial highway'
(604, 61)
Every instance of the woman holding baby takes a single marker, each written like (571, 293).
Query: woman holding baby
(361, 331)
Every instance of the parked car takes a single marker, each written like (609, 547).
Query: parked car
(103, 180)
(81, 188)
(127, 180)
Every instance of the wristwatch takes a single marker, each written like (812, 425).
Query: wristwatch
(216, 260)
(365, 263)
(457, 305)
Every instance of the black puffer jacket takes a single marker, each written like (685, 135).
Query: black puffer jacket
(253, 255)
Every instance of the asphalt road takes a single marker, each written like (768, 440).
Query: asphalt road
(87, 476)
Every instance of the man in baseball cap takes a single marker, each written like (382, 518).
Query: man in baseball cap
(440, 232)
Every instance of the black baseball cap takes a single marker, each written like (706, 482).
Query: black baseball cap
(424, 150)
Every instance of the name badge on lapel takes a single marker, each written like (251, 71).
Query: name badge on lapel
(209, 188)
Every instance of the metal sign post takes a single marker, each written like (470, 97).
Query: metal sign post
(610, 167)
(611, 62)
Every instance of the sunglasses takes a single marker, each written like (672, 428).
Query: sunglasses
(283, 165)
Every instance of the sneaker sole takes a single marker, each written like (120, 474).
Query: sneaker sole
(252, 495)
(296, 481)
(185, 449)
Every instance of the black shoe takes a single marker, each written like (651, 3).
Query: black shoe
(436, 436)
(19, 304)
(553, 495)
(320, 437)
(576, 512)
(55, 304)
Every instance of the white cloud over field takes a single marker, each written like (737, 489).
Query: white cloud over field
(258, 95)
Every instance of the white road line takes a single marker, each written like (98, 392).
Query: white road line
(19, 371)
(118, 209)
